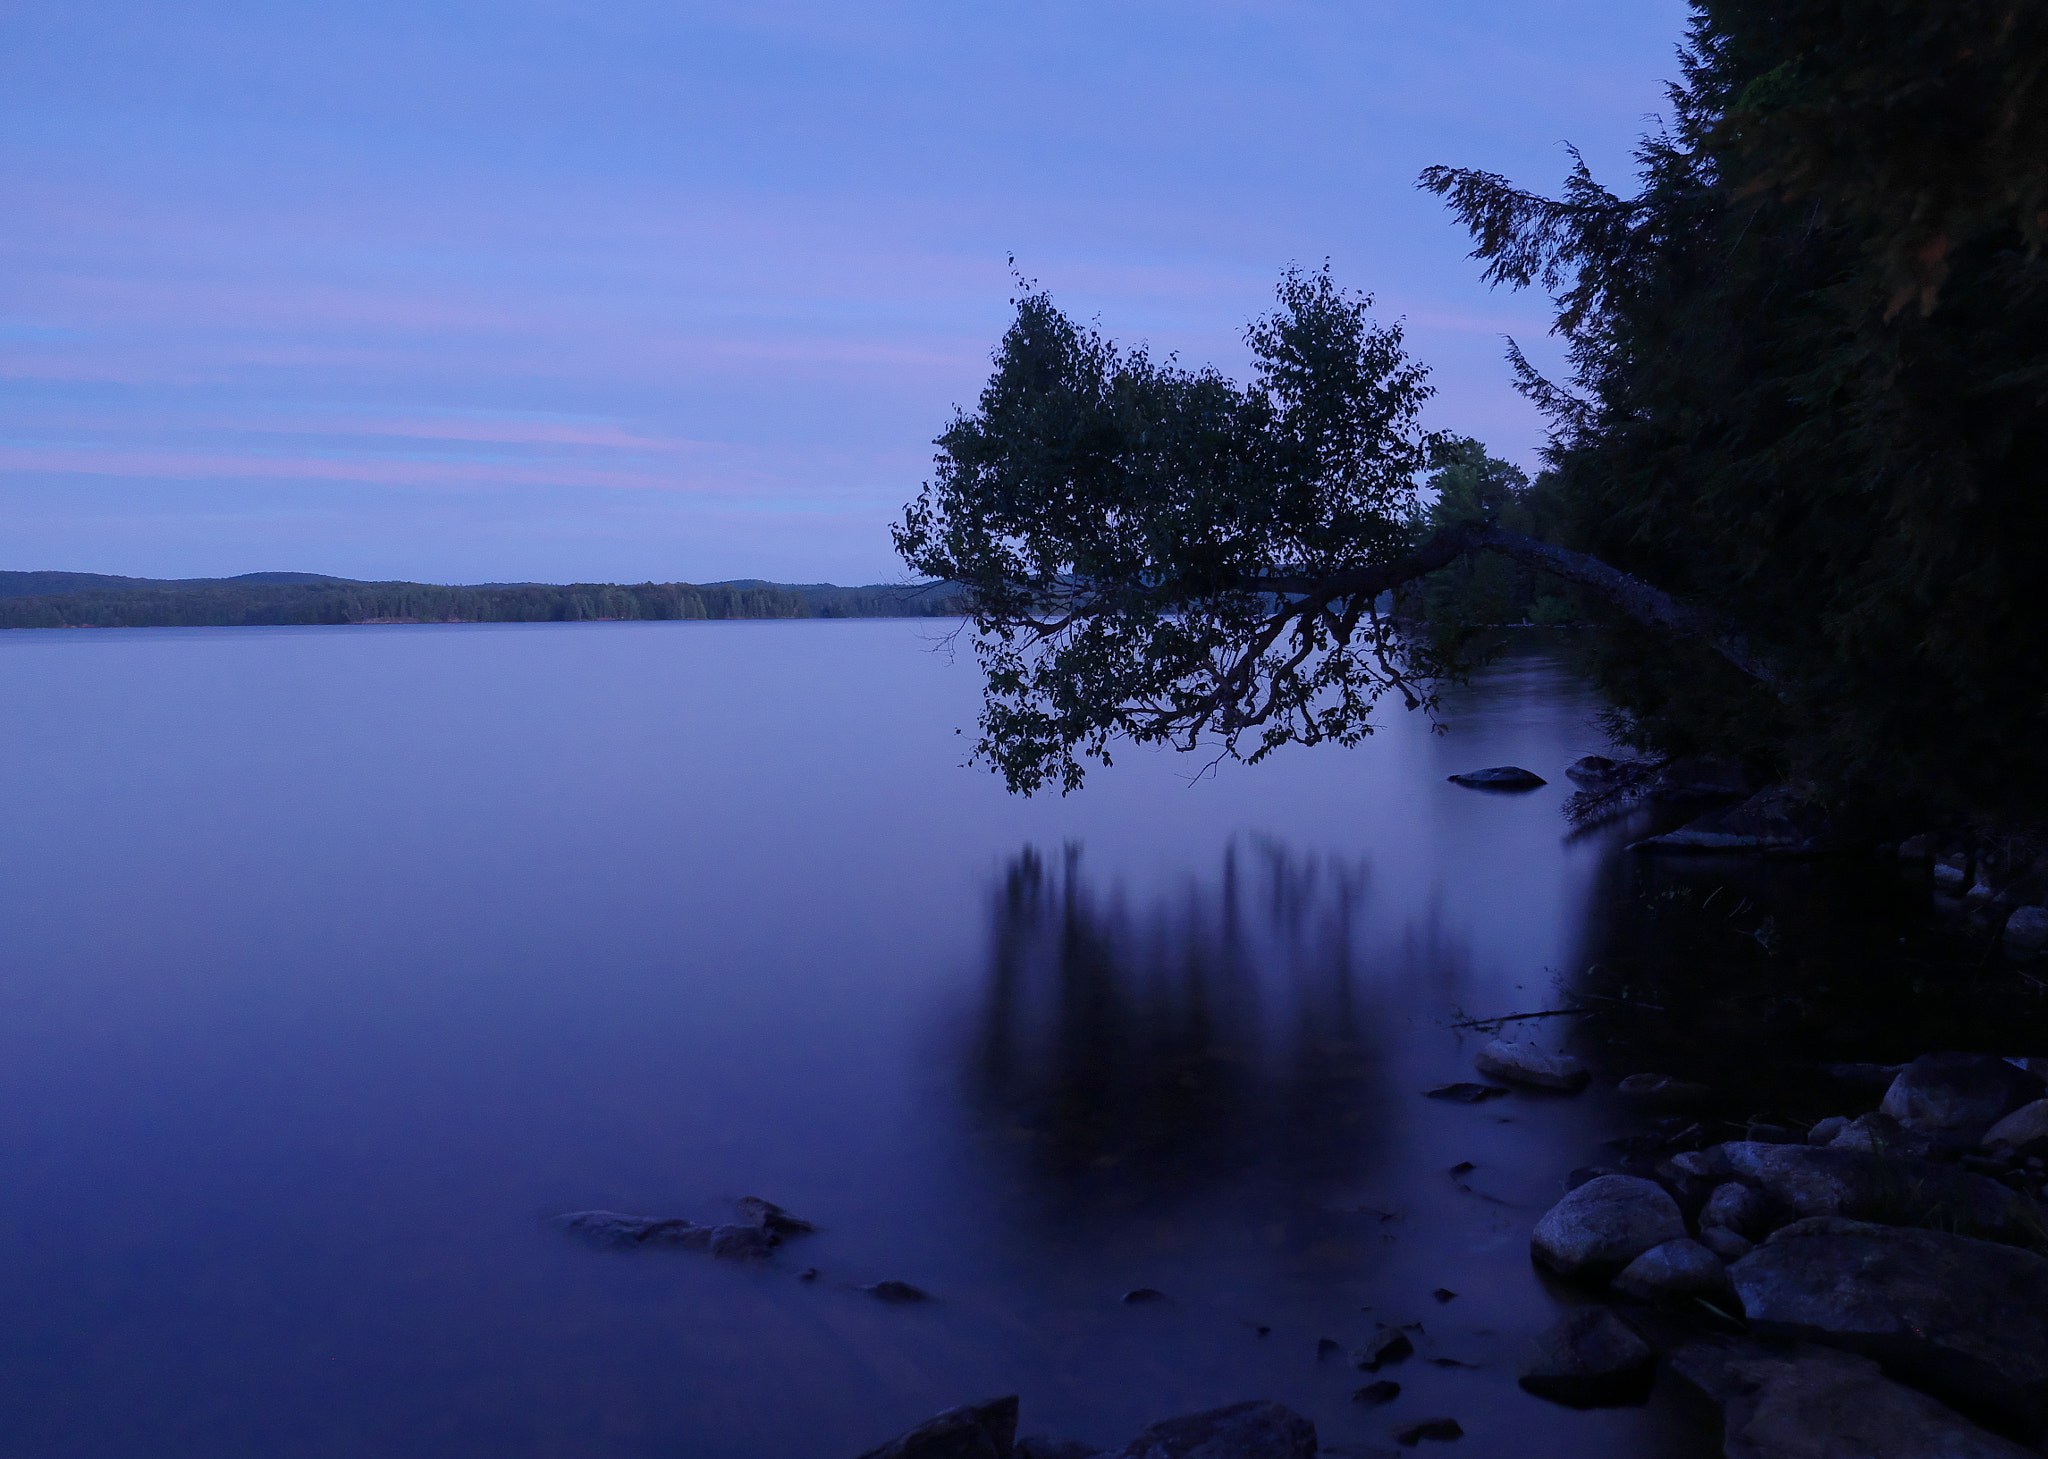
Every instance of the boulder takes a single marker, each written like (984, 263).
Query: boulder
(1777, 818)
(1806, 1402)
(2026, 932)
(1589, 1358)
(985, 1430)
(1726, 1244)
(1957, 1097)
(1604, 1225)
(2025, 1129)
(1869, 1187)
(1879, 1133)
(1963, 1319)
(1661, 1089)
(1742, 1209)
(1675, 1269)
(1500, 777)
(1521, 1062)
(1260, 1429)
(1824, 1131)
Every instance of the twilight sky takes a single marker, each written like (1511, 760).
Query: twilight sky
(682, 289)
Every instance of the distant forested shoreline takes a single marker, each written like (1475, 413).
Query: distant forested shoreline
(91, 600)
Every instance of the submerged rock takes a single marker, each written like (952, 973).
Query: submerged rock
(617, 1229)
(986, 1430)
(1604, 1225)
(1807, 1402)
(895, 1293)
(1966, 1320)
(1521, 1062)
(1465, 1093)
(1414, 1432)
(1958, 1097)
(1589, 1358)
(1384, 1391)
(1260, 1429)
(1500, 777)
(770, 1217)
(1594, 771)
(1675, 1269)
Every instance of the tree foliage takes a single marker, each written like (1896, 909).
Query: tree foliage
(1758, 421)
(1158, 553)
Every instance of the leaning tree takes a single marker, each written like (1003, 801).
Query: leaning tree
(1162, 555)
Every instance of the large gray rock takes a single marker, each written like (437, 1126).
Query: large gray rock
(1604, 1225)
(1806, 1402)
(1869, 1187)
(2025, 1129)
(1500, 777)
(1521, 1062)
(1676, 1269)
(1880, 1133)
(986, 1430)
(1742, 1209)
(1776, 818)
(1260, 1429)
(1958, 1097)
(1965, 1320)
(1589, 1358)
(2026, 932)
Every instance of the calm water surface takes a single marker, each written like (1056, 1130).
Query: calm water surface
(333, 961)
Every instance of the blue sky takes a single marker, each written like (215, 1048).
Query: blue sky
(552, 290)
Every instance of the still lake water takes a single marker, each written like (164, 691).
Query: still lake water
(333, 961)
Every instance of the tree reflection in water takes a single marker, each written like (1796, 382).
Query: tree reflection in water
(1126, 1060)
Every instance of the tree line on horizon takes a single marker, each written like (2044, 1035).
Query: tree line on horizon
(237, 604)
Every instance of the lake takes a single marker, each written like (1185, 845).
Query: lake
(336, 960)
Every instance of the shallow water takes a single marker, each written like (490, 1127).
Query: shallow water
(332, 961)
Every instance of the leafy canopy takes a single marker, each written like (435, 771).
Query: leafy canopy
(1161, 554)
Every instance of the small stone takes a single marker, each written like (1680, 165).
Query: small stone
(1592, 770)
(1452, 1363)
(1443, 1294)
(1384, 1391)
(1589, 1358)
(1675, 1269)
(808, 1274)
(1388, 1345)
(1604, 1225)
(1521, 1062)
(2026, 932)
(1414, 1433)
(1138, 1295)
(1465, 1093)
(1499, 777)
(1463, 1167)
(895, 1293)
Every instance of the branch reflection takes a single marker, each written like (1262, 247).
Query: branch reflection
(1124, 1059)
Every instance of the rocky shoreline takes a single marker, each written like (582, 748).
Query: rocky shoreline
(1875, 1285)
